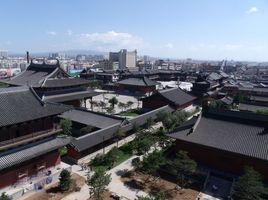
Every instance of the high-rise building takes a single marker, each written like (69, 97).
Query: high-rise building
(3, 54)
(124, 58)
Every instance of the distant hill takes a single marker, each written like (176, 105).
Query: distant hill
(71, 52)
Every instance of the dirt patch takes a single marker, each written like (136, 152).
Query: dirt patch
(149, 184)
(106, 196)
(52, 192)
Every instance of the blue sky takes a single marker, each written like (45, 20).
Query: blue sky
(200, 29)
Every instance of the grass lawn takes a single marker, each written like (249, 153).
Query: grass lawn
(121, 157)
(129, 114)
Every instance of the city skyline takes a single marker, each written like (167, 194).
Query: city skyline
(185, 29)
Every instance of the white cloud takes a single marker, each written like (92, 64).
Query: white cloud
(232, 47)
(253, 9)
(169, 45)
(53, 33)
(110, 40)
(69, 32)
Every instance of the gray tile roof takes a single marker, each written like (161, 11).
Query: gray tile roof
(91, 118)
(177, 96)
(250, 107)
(34, 75)
(70, 96)
(45, 75)
(259, 98)
(97, 137)
(63, 82)
(144, 81)
(21, 104)
(30, 151)
(228, 135)
(227, 100)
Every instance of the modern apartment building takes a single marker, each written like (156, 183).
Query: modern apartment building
(126, 59)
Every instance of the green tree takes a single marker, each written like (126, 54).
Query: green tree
(110, 110)
(149, 123)
(182, 167)
(66, 126)
(85, 130)
(102, 105)
(262, 112)
(119, 134)
(161, 137)
(152, 162)
(65, 180)
(248, 186)
(136, 162)
(98, 182)
(4, 196)
(112, 156)
(129, 104)
(136, 128)
(121, 105)
(238, 98)
(142, 144)
(158, 195)
(113, 101)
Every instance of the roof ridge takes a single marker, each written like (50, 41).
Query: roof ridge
(14, 89)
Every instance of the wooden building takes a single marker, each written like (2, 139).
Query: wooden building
(53, 84)
(28, 141)
(174, 97)
(226, 140)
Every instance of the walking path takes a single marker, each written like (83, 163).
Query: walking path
(116, 185)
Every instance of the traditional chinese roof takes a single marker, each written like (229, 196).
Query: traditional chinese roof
(44, 75)
(144, 81)
(21, 104)
(229, 133)
(90, 118)
(27, 152)
(177, 96)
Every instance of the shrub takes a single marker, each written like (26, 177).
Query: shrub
(65, 180)
(136, 162)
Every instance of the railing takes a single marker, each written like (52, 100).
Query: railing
(28, 138)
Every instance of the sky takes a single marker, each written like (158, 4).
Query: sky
(198, 29)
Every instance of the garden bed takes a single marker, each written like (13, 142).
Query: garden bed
(53, 192)
(149, 184)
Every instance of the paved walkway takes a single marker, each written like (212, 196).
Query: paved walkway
(116, 185)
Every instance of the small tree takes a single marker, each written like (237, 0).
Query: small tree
(66, 126)
(249, 186)
(119, 134)
(149, 123)
(121, 105)
(98, 182)
(102, 105)
(183, 167)
(112, 156)
(158, 195)
(110, 110)
(238, 98)
(86, 129)
(153, 162)
(129, 104)
(65, 180)
(4, 196)
(113, 101)
(142, 145)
